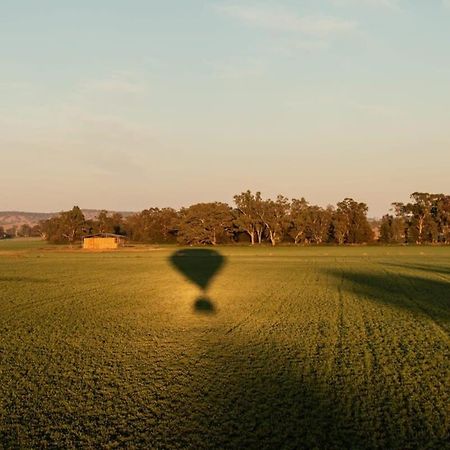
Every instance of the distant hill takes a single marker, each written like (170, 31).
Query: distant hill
(10, 219)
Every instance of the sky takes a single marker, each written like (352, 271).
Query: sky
(125, 105)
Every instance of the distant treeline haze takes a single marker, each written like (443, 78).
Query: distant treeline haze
(253, 219)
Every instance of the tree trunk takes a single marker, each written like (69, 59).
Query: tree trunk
(259, 233)
(272, 238)
(297, 237)
(420, 228)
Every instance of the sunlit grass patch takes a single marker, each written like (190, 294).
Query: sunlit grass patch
(312, 347)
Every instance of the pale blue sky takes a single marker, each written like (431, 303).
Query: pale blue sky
(130, 104)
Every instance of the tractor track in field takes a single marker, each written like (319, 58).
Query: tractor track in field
(248, 320)
(340, 328)
(245, 320)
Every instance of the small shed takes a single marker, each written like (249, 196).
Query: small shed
(101, 241)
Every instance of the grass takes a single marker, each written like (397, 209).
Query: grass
(319, 347)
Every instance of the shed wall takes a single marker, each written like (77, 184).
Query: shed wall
(97, 243)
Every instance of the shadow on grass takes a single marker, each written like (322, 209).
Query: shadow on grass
(417, 294)
(199, 266)
(245, 391)
(241, 391)
(258, 400)
(236, 396)
(441, 270)
(204, 305)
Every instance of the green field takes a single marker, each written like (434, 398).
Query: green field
(323, 347)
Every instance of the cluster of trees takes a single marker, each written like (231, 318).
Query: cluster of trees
(256, 220)
(299, 222)
(426, 219)
(70, 226)
(23, 230)
(252, 219)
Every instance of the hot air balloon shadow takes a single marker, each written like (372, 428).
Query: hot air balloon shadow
(199, 266)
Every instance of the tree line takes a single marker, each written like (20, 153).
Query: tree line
(426, 219)
(23, 230)
(255, 220)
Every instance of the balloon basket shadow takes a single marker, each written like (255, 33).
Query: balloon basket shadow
(203, 305)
